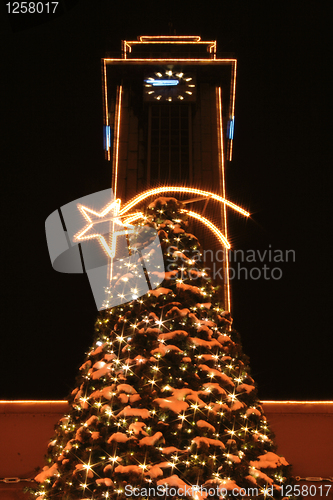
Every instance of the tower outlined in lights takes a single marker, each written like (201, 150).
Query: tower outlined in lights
(169, 105)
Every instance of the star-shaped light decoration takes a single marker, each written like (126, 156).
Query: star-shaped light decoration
(110, 215)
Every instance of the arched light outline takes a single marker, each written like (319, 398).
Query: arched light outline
(195, 215)
(180, 189)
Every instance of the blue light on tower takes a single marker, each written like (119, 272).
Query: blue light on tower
(107, 137)
(230, 129)
(162, 83)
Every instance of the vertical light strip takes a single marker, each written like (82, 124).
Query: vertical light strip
(106, 106)
(190, 140)
(116, 142)
(232, 99)
(124, 47)
(212, 49)
(149, 146)
(227, 299)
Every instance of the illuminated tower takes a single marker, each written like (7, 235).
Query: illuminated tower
(168, 121)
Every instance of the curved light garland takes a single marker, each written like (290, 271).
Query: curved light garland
(181, 189)
(195, 215)
(132, 218)
(211, 226)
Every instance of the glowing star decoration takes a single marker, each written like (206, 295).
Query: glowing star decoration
(104, 260)
(108, 214)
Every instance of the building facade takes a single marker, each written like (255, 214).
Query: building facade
(168, 121)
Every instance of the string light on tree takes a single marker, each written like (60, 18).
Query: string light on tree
(165, 392)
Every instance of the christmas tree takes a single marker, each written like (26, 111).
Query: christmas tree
(164, 405)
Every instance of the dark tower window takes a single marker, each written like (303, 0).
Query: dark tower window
(169, 142)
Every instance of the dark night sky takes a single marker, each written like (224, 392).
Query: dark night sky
(52, 154)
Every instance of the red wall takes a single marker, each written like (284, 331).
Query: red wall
(304, 435)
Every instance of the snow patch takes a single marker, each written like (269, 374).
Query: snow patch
(175, 482)
(103, 371)
(172, 449)
(204, 343)
(105, 480)
(165, 349)
(245, 388)
(172, 335)
(119, 437)
(47, 472)
(202, 424)
(261, 475)
(134, 412)
(224, 338)
(126, 388)
(228, 484)
(270, 459)
(137, 428)
(128, 469)
(163, 200)
(201, 441)
(154, 472)
(253, 411)
(212, 388)
(160, 291)
(151, 440)
(216, 373)
(172, 403)
(178, 312)
(190, 288)
(92, 420)
(236, 406)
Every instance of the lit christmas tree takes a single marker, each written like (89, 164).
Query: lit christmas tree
(165, 406)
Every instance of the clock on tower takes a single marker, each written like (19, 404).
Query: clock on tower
(170, 85)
